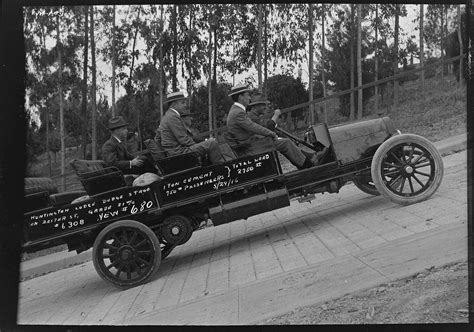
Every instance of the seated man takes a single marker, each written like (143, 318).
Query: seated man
(257, 111)
(175, 137)
(243, 129)
(115, 154)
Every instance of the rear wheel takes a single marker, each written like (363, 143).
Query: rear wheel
(365, 183)
(407, 169)
(126, 253)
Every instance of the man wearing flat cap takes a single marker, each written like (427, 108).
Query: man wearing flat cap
(175, 136)
(115, 154)
(243, 130)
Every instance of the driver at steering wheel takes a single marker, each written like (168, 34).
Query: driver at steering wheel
(243, 129)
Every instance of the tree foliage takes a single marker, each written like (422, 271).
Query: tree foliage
(183, 40)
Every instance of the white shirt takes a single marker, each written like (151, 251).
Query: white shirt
(240, 105)
(172, 109)
(130, 162)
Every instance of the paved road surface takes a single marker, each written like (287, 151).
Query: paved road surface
(248, 270)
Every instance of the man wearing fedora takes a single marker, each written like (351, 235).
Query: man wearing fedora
(257, 111)
(175, 137)
(115, 154)
(243, 130)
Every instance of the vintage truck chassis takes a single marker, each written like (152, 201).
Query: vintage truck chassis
(132, 228)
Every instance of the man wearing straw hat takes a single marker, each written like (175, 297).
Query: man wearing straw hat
(244, 131)
(175, 137)
(115, 154)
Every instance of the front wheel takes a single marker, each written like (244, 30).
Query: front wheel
(407, 169)
(126, 253)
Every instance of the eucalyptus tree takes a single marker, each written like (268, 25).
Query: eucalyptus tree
(376, 56)
(422, 50)
(359, 60)
(37, 29)
(116, 50)
(310, 63)
(173, 9)
(113, 56)
(338, 66)
(461, 48)
(154, 40)
(352, 28)
(259, 45)
(325, 8)
(112, 42)
(292, 27)
(134, 54)
(381, 17)
(220, 22)
(84, 82)
(396, 55)
(433, 27)
(93, 87)
(291, 40)
(192, 56)
(43, 69)
(60, 96)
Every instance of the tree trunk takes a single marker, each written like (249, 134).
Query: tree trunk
(161, 66)
(323, 59)
(94, 90)
(351, 115)
(129, 83)
(209, 82)
(446, 7)
(376, 59)
(113, 63)
(442, 40)
(310, 65)
(259, 47)
(265, 46)
(61, 106)
(174, 26)
(233, 60)
(461, 47)
(359, 61)
(47, 141)
(139, 133)
(422, 51)
(214, 83)
(190, 80)
(395, 55)
(84, 83)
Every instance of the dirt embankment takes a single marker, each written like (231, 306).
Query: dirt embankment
(434, 296)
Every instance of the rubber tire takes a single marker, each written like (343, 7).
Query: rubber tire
(368, 189)
(129, 224)
(382, 152)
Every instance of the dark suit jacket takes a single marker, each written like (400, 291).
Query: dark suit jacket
(174, 135)
(115, 154)
(270, 124)
(242, 128)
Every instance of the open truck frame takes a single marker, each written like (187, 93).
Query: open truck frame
(131, 229)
